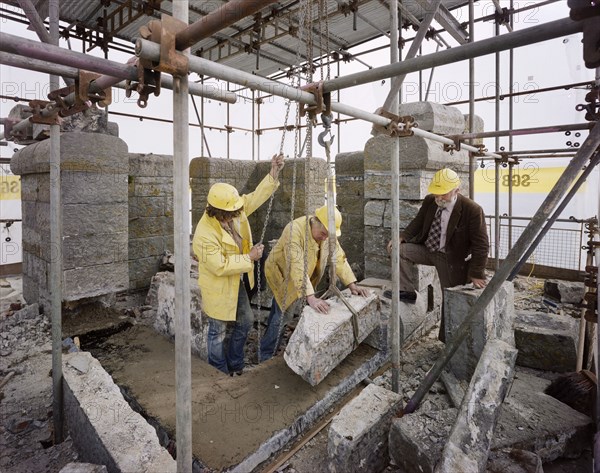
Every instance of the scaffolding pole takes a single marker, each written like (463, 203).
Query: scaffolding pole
(393, 106)
(588, 148)
(55, 283)
(181, 217)
(44, 57)
(524, 131)
(149, 50)
(471, 97)
(516, 39)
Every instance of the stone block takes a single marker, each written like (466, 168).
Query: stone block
(415, 152)
(358, 435)
(434, 117)
(378, 213)
(413, 184)
(150, 165)
(321, 341)
(478, 127)
(154, 186)
(379, 266)
(416, 440)
(546, 341)
(109, 432)
(89, 219)
(569, 292)
(495, 322)
(144, 269)
(350, 163)
(161, 296)
(96, 249)
(147, 206)
(469, 442)
(512, 460)
(83, 468)
(93, 187)
(92, 281)
(150, 247)
(531, 420)
(145, 227)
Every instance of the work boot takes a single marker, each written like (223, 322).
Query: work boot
(405, 296)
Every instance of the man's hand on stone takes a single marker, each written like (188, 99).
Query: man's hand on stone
(479, 283)
(357, 290)
(389, 246)
(318, 304)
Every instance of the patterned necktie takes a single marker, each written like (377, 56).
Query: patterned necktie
(435, 232)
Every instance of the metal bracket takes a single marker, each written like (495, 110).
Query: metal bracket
(323, 104)
(456, 146)
(393, 128)
(85, 78)
(164, 33)
(588, 11)
(50, 119)
(592, 107)
(148, 83)
(63, 108)
(481, 153)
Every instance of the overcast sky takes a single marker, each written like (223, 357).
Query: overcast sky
(546, 64)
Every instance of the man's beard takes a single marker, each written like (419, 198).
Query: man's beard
(441, 203)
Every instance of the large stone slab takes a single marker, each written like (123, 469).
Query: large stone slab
(546, 341)
(495, 322)
(569, 292)
(468, 446)
(321, 341)
(83, 468)
(435, 117)
(161, 297)
(358, 435)
(415, 152)
(416, 440)
(529, 420)
(108, 431)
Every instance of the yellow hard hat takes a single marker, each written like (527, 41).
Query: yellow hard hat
(443, 182)
(321, 214)
(225, 197)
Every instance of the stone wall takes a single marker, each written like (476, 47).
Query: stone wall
(246, 175)
(350, 199)
(150, 215)
(94, 169)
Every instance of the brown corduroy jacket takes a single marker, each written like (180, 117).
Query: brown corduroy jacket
(466, 235)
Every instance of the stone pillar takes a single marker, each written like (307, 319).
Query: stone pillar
(150, 215)
(350, 199)
(94, 170)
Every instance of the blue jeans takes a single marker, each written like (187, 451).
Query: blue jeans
(232, 359)
(271, 339)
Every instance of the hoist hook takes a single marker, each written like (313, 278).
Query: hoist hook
(326, 119)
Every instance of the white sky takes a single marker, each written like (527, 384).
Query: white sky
(545, 64)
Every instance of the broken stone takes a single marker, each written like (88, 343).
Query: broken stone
(564, 291)
(321, 341)
(161, 296)
(529, 420)
(358, 435)
(416, 440)
(80, 363)
(514, 460)
(546, 341)
(468, 446)
(83, 468)
(495, 322)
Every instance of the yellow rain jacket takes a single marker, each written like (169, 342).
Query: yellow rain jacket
(291, 248)
(220, 261)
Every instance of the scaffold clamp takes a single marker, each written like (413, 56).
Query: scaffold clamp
(397, 127)
(322, 105)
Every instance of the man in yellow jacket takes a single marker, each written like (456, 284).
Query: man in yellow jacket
(223, 245)
(288, 257)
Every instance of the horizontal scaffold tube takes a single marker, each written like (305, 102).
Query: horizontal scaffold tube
(36, 54)
(149, 50)
(516, 39)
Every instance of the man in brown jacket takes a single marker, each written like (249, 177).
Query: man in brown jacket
(449, 232)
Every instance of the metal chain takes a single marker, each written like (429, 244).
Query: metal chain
(296, 81)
